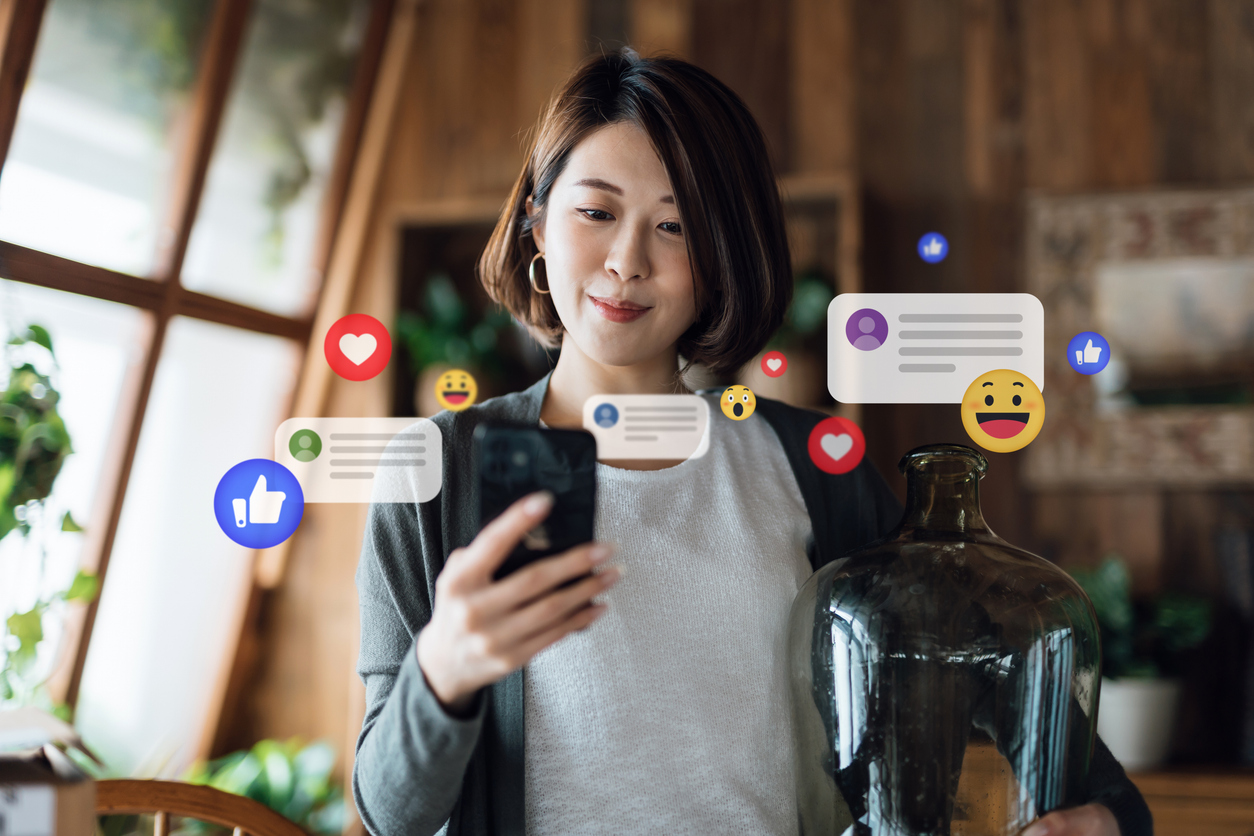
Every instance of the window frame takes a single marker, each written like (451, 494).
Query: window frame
(162, 294)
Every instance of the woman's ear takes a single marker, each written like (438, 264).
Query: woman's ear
(537, 221)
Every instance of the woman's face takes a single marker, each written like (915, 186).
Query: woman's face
(614, 250)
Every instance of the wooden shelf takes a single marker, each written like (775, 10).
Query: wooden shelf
(1199, 801)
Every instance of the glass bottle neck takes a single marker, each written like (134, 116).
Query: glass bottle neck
(939, 501)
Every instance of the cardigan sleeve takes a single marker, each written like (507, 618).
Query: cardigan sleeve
(1110, 786)
(411, 754)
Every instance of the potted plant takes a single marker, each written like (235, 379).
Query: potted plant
(803, 340)
(1143, 644)
(444, 337)
(290, 777)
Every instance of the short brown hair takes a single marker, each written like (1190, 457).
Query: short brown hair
(725, 191)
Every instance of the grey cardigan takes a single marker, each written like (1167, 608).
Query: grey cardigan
(416, 766)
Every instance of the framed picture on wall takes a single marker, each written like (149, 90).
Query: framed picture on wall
(1168, 279)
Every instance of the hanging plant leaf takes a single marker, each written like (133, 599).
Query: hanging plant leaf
(68, 524)
(39, 334)
(83, 588)
(28, 628)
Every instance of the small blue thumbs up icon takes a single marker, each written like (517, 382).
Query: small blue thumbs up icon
(1088, 352)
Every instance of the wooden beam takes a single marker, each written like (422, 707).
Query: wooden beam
(213, 309)
(122, 478)
(200, 130)
(23, 264)
(238, 667)
(350, 239)
(19, 30)
(103, 505)
(198, 133)
(365, 74)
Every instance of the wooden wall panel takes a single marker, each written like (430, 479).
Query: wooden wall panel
(1119, 101)
(657, 26)
(1057, 114)
(745, 44)
(1180, 90)
(1231, 59)
(822, 127)
(552, 40)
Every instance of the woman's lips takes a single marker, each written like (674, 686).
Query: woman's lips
(618, 310)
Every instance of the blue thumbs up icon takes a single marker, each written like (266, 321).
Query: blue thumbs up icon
(1088, 352)
(258, 503)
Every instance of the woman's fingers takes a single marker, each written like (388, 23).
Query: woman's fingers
(1089, 820)
(473, 565)
(543, 614)
(536, 579)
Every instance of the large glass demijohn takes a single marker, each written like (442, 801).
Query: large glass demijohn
(943, 681)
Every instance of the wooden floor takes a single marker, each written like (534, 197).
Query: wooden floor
(1186, 801)
(1199, 803)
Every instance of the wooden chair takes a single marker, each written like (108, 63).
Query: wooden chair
(174, 798)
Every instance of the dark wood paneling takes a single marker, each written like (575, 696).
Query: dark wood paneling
(744, 43)
(1181, 94)
(1231, 53)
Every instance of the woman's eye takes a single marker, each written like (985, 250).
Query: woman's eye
(596, 214)
(672, 227)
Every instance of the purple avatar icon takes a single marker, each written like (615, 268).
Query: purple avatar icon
(866, 329)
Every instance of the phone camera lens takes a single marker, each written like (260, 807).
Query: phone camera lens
(520, 459)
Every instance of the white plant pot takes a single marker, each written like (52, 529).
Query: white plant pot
(1135, 718)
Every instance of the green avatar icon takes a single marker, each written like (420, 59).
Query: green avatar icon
(305, 445)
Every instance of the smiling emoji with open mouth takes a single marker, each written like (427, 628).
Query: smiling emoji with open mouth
(1003, 411)
(455, 390)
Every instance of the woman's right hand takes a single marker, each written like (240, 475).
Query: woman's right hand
(482, 630)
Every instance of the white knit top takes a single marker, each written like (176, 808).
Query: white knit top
(670, 713)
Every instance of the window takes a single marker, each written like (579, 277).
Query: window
(89, 164)
(174, 176)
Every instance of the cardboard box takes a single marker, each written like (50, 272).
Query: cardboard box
(42, 791)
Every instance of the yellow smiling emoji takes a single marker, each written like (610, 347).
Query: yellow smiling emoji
(456, 390)
(1003, 411)
(737, 402)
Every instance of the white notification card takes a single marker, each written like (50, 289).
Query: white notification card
(928, 347)
(362, 459)
(648, 426)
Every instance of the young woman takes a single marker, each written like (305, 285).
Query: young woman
(644, 232)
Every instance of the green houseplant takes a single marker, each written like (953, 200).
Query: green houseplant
(289, 777)
(446, 334)
(34, 444)
(1144, 643)
(802, 338)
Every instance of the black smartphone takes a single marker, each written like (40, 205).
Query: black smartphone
(513, 461)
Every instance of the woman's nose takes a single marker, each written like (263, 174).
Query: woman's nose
(628, 258)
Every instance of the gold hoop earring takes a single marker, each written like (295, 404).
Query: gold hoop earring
(531, 273)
